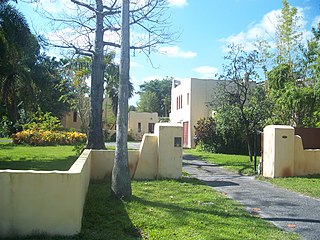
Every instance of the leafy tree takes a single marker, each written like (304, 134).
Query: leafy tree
(237, 89)
(18, 54)
(149, 102)
(95, 21)
(161, 90)
(288, 35)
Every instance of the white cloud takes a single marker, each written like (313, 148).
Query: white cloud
(265, 29)
(135, 64)
(175, 51)
(315, 21)
(206, 71)
(178, 3)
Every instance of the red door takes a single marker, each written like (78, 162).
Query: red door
(185, 134)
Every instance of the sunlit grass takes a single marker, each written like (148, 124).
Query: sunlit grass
(238, 163)
(169, 209)
(21, 157)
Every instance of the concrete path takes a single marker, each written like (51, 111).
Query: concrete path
(131, 145)
(287, 210)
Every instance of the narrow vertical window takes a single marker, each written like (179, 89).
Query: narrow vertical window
(181, 101)
(139, 127)
(177, 103)
(188, 95)
(75, 116)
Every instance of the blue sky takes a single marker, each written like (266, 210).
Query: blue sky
(206, 27)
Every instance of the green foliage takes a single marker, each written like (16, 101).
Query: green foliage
(42, 122)
(7, 127)
(288, 35)
(164, 119)
(207, 138)
(158, 92)
(148, 102)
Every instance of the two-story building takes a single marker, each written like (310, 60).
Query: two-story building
(190, 101)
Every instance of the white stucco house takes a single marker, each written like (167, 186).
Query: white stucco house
(190, 101)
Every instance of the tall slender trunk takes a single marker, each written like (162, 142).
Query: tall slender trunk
(121, 185)
(95, 133)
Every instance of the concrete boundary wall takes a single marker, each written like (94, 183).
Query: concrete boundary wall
(51, 202)
(44, 202)
(284, 156)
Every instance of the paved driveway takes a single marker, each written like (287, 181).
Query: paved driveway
(288, 210)
(131, 145)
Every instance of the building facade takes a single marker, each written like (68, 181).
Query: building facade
(190, 101)
(140, 123)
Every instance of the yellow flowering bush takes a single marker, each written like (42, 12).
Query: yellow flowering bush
(46, 137)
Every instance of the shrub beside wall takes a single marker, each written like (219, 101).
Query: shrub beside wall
(46, 138)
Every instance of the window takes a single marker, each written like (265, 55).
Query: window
(151, 127)
(181, 102)
(177, 103)
(75, 116)
(188, 96)
(139, 127)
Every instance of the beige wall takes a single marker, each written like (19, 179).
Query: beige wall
(140, 117)
(169, 155)
(51, 202)
(156, 158)
(67, 121)
(43, 202)
(284, 156)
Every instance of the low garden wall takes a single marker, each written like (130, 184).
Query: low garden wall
(44, 202)
(51, 202)
(284, 155)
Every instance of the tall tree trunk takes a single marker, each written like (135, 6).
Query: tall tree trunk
(121, 185)
(95, 133)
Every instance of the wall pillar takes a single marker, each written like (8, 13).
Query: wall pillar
(278, 151)
(169, 150)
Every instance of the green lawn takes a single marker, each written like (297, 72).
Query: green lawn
(308, 185)
(238, 163)
(20, 157)
(169, 209)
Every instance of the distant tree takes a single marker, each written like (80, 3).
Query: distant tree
(288, 36)
(149, 102)
(237, 88)
(162, 94)
(132, 108)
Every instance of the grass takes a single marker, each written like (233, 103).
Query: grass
(21, 157)
(237, 163)
(169, 209)
(308, 185)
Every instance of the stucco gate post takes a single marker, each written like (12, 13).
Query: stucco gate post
(169, 150)
(278, 151)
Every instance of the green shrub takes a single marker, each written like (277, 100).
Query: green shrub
(43, 122)
(46, 138)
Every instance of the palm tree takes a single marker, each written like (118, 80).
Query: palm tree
(18, 53)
